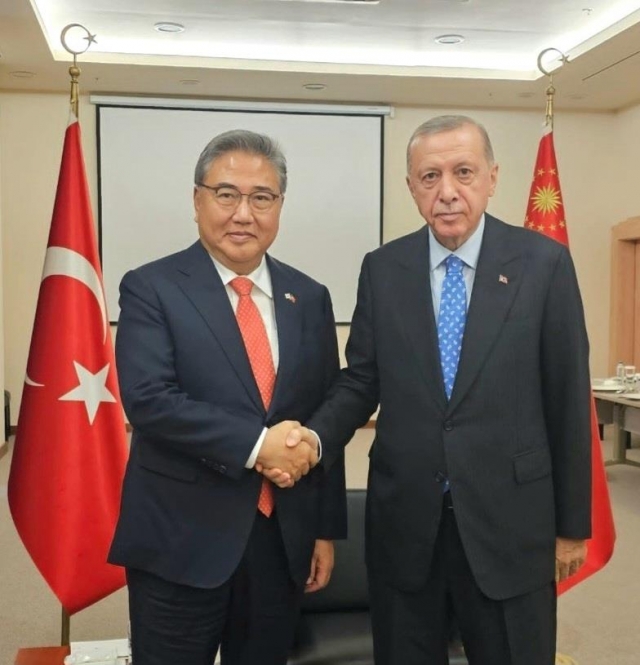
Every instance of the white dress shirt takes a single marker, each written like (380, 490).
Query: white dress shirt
(468, 253)
(262, 296)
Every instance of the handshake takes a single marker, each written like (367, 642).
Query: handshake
(288, 452)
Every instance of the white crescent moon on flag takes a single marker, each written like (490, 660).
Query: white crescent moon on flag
(64, 262)
(29, 382)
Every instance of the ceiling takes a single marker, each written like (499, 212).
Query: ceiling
(362, 51)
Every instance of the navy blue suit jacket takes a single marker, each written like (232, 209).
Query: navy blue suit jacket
(188, 501)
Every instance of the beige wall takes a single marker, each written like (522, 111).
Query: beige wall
(590, 147)
(2, 383)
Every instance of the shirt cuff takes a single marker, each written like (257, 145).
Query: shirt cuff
(319, 444)
(251, 462)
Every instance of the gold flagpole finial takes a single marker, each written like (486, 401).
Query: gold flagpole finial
(74, 70)
(551, 91)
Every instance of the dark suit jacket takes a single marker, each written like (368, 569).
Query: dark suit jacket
(514, 439)
(187, 387)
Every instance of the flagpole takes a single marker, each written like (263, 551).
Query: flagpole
(74, 101)
(551, 91)
(65, 628)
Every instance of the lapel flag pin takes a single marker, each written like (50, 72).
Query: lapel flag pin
(290, 297)
(503, 280)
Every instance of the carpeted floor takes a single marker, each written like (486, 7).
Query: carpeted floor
(597, 620)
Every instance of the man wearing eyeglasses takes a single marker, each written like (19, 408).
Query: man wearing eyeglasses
(221, 350)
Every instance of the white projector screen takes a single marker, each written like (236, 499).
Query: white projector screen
(333, 205)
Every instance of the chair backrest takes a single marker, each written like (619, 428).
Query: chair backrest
(347, 589)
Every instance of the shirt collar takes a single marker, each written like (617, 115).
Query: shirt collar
(260, 276)
(469, 251)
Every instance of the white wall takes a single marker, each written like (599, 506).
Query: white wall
(599, 173)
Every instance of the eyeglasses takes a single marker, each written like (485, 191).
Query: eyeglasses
(230, 197)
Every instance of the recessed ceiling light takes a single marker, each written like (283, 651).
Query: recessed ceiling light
(577, 96)
(449, 39)
(168, 26)
(525, 95)
(314, 86)
(190, 81)
(23, 74)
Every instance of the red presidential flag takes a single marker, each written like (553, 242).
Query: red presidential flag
(70, 447)
(545, 213)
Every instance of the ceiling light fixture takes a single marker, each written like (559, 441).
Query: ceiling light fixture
(168, 26)
(22, 74)
(190, 81)
(449, 39)
(314, 86)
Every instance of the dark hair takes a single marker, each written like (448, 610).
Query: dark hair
(242, 140)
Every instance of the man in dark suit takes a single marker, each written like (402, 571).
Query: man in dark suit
(469, 334)
(221, 350)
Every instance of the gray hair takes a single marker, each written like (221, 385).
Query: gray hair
(447, 123)
(242, 140)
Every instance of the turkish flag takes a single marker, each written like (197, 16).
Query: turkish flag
(71, 446)
(545, 213)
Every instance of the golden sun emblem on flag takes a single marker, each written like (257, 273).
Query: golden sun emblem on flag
(546, 199)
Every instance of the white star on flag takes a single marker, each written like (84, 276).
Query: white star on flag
(92, 389)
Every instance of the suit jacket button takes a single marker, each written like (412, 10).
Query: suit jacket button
(447, 425)
(222, 468)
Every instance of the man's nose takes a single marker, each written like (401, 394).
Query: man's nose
(243, 210)
(448, 188)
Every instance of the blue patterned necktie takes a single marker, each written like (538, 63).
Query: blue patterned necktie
(451, 320)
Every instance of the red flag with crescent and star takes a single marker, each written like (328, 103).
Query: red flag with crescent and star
(545, 214)
(71, 446)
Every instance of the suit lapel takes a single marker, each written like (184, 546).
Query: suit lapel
(497, 280)
(288, 310)
(201, 283)
(418, 315)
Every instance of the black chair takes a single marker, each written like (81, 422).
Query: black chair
(335, 624)
(7, 415)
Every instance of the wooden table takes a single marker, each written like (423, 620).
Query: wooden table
(624, 414)
(42, 656)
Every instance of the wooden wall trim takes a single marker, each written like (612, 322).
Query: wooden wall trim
(624, 313)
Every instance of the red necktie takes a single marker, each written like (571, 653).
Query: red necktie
(258, 349)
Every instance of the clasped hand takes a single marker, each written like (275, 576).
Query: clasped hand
(570, 557)
(288, 452)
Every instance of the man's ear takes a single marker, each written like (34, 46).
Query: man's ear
(410, 186)
(493, 175)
